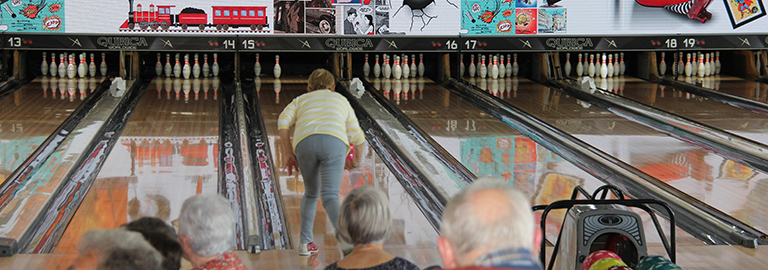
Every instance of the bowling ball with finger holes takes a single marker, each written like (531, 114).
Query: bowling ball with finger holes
(655, 263)
(605, 263)
(596, 256)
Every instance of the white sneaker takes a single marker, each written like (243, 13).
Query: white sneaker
(307, 249)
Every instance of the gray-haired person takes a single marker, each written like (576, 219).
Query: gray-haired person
(207, 233)
(365, 221)
(489, 225)
(115, 249)
(162, 237)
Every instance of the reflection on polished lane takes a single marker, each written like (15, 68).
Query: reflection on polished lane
(489, 147)
(700, 174)
(413, 238)
(30, 114)
(167, 152)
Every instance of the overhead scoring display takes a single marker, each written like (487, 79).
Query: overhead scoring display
(385, 17)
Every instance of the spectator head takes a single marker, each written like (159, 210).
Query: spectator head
(161, 236)
(485, 216)
(364, 217)
(321, 79)
(206, 226)
(115, 249)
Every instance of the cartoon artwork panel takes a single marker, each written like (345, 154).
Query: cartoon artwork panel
(743, 11)
(494, 17)
(359, 20)
(424, 17)
(32, 16)
(552, 20)
(525, 21)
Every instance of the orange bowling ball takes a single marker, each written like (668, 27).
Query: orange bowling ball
(603, 264)
(597, 255)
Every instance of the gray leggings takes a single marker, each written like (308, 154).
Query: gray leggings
(321, 162)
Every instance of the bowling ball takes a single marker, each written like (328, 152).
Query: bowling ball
(603, 264)
(655, 263)
(597, 255)
(618, 267)
(351, 155)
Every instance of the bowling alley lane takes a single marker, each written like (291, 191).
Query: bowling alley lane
(31, 113)
(166, 153)
(723, 184)
(412, 237)
(488, 147)
(719, 115)
(737, 86)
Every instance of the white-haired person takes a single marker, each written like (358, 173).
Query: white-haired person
(207, 233)
(489, 225)
(115, 249)
(324, 126)
(365, 221)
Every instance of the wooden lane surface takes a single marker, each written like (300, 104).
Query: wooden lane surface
(166, 153)
(688, 257)
(29, 115)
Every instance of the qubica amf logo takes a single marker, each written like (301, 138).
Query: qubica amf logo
(569, 43)
(122, 42)
(349, 44)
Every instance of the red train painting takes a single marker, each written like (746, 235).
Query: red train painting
(161, 17)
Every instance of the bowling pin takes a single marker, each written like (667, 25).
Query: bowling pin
(366, 67)
(92, 66)
(406, 68)
(622, 66)
(196, 67)
(579, 68)
(662, 66)
(215, 68)
(483, 67)
(376, 67)
(52, 68)
(177, 68)
(681, 64)
(695, 64)
(717, 63)
(461, 65)
(417, 70)
(701, 66)
(508, 68)
(81, 69)
(502, 68)
(472, 67)
(71, 69)
(103, 65)
(688, 66)
(186, 70)
(158, 65)
(604, 68)
(397, 71)
(567, 65)
(616, 68)
(387, 72)
(277, 70)
(610, 65)
(206, 67)
(168, 68)
(495, 68)
(515, 67)
(62, 65)
(44, 65)
(257, 66)
(591, 68)
(707, 65)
